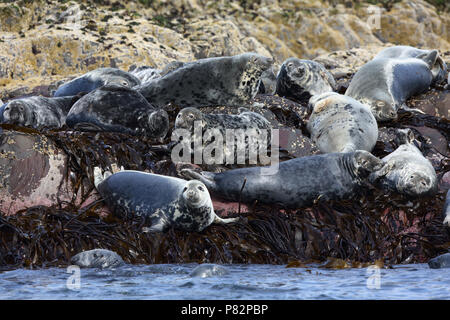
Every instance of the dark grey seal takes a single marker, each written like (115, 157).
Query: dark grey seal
(339, 123)
(161, 200)
(115, 108)
(442, 261)
(97, 258)
(439, 69)
(406, 170)
(297, 183)
(95, 79)
(300, 79)
(209, 270)
(226, 81)
(38, 112)
(385, 84)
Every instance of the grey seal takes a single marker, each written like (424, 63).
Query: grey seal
(146, 74)
(442, 261)
(406, 170)
(297, 183)
(385, 84)
(96, 78)
(209, 270)
(339, 123)
(227, 81)
(447, 209)
(162, 200)
(97, 258)
(439, 69)
(116, 108)
(298, 79)
(38, 112)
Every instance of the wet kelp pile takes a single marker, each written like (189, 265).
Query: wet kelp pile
(373, 226)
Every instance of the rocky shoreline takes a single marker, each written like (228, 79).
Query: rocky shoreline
(51, 211)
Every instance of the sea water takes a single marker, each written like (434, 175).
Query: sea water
(173, 281)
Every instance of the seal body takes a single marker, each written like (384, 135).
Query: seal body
(339, 123)
(439, 68)
(97, 78)
(38, 112)
(97, 258)
(385, 84)
(442, 261)
(161, 200)
(250, 129)
(296, 183)
(207, 270)
(406, 170)
(447, 209)
(300, 79)
(146, 74)
(227, 81)
(115, 108)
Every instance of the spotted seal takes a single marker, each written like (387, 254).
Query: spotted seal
(38, 112)
(439, 262)
(97, 258)
(96, 78)
(146, 74)
(439, 69)
(339, 123)
(227, 81)
(385, 84)
(162, 200)
(447, 209)
(300, 79)
(116, 108)
(207, 270)
(406, 170)
(296, 183)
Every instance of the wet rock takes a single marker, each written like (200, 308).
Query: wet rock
(434, 102)
(442, 261)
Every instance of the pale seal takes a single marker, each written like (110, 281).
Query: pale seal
(385, 84)
(439, 262)
(38, 112)
(439, 69)
(207, 270)
(296, 183)
(97, 258)
(300, 79)
(406, 170)
(162, 200)
(226, 81)
(447, 209)
(339, 123)
(146, 74)
(96, 78)
(115, 108)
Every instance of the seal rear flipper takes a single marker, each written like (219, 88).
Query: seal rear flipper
(158, 225)
(404, 136)
(429, 58)
(206, 177)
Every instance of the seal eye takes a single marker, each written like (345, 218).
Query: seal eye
(201, 188)
(185, 188)
(191, 116)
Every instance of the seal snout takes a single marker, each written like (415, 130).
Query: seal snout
(418, 184)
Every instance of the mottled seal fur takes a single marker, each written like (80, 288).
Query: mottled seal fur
(38, 112)
(97, 258)
(227, 81)
(439, 262)
(385, 84)
(339, 123)
(209, 270)
(162, 200)
(447, 209)
(115, 108)
(439, 69)
(97, 78)
(297, 183)
(300, 79)
(406, 170)
(146, 74)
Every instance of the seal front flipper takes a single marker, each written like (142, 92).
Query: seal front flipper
(406, 108)
(219, 220)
